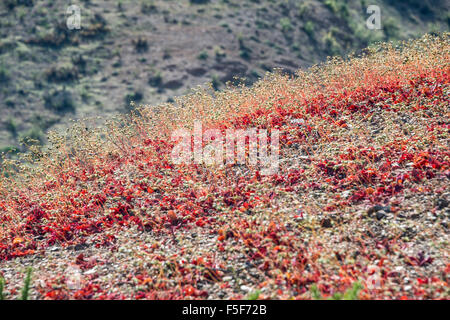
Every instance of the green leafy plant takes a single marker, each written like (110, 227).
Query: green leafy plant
(2, 287)
(4, 74)
(254, 295)
(202, 55)
(351, 293)
(25, 292)
(26, 285)
(11, 126)
(286, 24)
(309, 28)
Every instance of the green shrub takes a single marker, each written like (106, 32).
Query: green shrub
(2, 287)
(219, 53)
(351, 293)
(136, 96)
(215, 82)
(244, 50)
(35, 135)
(203, 55)
(10, 150)
(11, 4)
(331, 44)
(309, 28)
(286, 25)
(11, 126)
(391, 29)
(140, 44)
(254, 295)
(148, 7)
(25, 292)
(156, 79)
(26, 286)
(4, 73)
(199, 1)
(59, 101)
(61, 73)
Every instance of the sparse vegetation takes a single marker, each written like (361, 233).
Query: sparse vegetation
(40, 53)
(11, 126)
(286, 25)
(60, 100)
(61, 73)
(336, 215)
(25, 293)
(140, 45)
(309, 28)
(203, 55)
(156, 79)
(4, 74)
(351, 293)
(134, 97)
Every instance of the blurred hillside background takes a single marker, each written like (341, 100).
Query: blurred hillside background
(150, 51)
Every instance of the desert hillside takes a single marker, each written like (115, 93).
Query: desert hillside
(357, 208)
(151, 51)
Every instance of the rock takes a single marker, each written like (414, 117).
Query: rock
(442, 203)
(92, 271)
(377, 208)
(80, 246)
(380, 214)
(246, 288)
(326, 223)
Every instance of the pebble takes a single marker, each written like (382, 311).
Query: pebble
(326, 223)
(246, 288)
(380, 215)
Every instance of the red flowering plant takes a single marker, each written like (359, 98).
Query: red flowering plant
(360, 195)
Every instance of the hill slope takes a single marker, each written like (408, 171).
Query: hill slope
(152, 51)
(361, 194)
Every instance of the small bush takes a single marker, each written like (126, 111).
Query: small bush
(26, 286)
(203, 55)
(391, 29)
(2, 287)
(10, 150)
(156, 79)
(33, 136)
(140, 44)
(96, 28)
(59, 101)
(331, 44)
(148, 7)
(219, 53)
(199, 1)
(309, 28)
(4, 73)
(351, 294)
(244, 50)
(25, 292)
(286, 25)
(215, 82)
(11, 4)
(136, 96)
(11, 126)
(61, 73)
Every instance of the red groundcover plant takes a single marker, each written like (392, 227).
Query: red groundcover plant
(361, 194)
